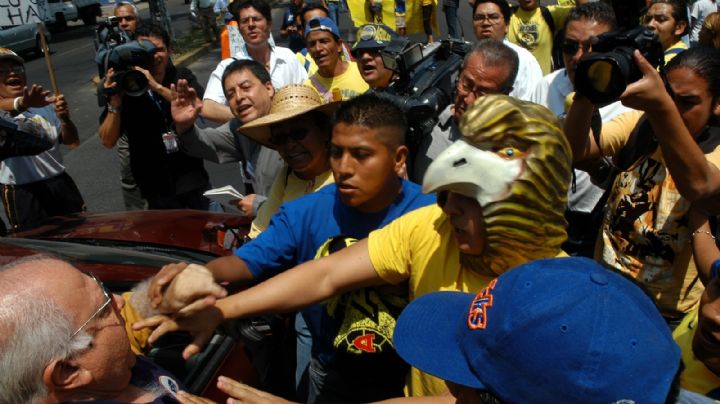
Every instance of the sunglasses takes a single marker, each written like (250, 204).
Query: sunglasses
(14, 69)
(297, 135)
(101, 311)
(570, 47)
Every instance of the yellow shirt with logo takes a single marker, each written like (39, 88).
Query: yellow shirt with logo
(695, 377)
(350, 84)
(529, 30)
(645, 233)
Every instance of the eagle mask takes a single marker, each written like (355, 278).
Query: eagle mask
(514, 159)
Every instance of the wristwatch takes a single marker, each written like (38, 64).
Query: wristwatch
(112, 109)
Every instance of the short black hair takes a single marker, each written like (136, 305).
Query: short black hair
(309, 7)
(600, 12)
(679, 12)
(262, 6)
(151, 29)
(504, 8)
(704, 62)
(374, 111)
(250, 65)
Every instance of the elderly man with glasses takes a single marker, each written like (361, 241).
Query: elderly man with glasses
(64, 337)
(489, 68)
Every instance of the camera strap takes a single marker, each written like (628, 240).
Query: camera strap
(160, 108)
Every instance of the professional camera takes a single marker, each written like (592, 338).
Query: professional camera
(603, 75)
(426, 80)
(116, 50)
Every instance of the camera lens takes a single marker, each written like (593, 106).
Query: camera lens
(603, 77)
(134, 83)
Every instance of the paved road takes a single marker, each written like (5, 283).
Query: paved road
(94, 168)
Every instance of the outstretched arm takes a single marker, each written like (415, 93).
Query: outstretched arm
(309, 283)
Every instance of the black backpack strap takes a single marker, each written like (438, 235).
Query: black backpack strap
(547, 16)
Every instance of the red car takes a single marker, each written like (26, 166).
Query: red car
(125, 248)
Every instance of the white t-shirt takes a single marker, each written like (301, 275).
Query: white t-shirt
(284, 69)
(552, 92)
(529, 73)
(699, 10)
(48, 164)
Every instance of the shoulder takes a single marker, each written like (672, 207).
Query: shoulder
(285, 54)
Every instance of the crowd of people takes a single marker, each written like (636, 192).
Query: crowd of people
(436, 268)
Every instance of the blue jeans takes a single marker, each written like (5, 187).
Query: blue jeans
(451, 20)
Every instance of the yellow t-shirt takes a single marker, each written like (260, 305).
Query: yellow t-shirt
(674, 50)
(695, 377)
(285, 188)
(307, 62)
(529, 30)
(644, 232)
(350, 83)
(419, 248)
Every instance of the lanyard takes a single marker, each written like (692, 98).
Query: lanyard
(159, 105)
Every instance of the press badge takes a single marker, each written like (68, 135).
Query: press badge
(170, 141)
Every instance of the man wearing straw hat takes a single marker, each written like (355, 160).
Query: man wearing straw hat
(366, 156)
(36, 187)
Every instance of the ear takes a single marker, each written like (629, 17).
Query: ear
(680, 28)
(62, 375)
(401, 154)
(270, 88)
(716, 108)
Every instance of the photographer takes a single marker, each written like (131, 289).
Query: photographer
(668, 18)
(489, 68)
(667, 158)
(371, 39)
(127, 16)
(167, 178)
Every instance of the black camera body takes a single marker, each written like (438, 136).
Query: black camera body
(116, 50)
(426, 80)
(603, 75)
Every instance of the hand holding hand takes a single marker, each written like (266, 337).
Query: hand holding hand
(190, 288)
(201, 325)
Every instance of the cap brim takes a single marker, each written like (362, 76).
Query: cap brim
(14, 58)
(427, 336)
(259, 129)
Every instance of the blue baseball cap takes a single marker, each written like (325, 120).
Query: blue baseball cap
(553, 330)
(322, 24)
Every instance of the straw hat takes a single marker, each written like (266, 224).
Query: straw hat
(289, 102)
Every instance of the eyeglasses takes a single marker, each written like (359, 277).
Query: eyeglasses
(491, 18)
(14, 69)
(465, 86)
(570, 47)
(108, 300)
(254, 18)
(297, 135)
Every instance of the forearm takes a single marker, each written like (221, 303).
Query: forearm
(161, 90)
(577, 130)
(229, 269)
(694, 176)
(306, 284)
(7, 104)
(109, 130)
(69, 134)
(705, 251)
(216, 112)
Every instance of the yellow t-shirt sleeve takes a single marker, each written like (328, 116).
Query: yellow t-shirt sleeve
(270, 206)
(616, 132)
(138, 339)
(390, 249)
(560, 13)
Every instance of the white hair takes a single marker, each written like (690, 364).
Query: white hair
(126, 3)
(33, 332)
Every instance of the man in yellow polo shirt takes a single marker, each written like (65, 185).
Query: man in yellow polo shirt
(501, 194)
